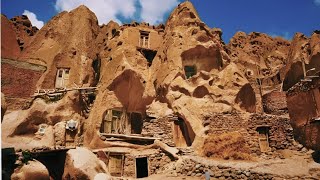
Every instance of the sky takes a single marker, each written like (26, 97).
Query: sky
(275, 17)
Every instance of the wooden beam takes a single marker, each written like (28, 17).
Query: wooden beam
(129, 137)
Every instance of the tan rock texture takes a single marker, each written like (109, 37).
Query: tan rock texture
(33, 170)
(18, 78)
(304, 54)
(24, 125)
(259, 55)
(24, 30)
(66, 41)
(181, 69)
(9, 45)
(126, 81)
(81, 163)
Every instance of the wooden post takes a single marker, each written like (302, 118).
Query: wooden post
(304, 69)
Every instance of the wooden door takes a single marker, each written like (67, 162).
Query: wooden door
(263, 142)
(62, 77)
(59, 79)
(115, 165)
(178, 137)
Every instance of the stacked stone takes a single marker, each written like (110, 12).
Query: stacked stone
(159, 128)
(191, 168)
(158, 162)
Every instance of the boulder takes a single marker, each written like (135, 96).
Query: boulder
(32, 170)
(81, 163)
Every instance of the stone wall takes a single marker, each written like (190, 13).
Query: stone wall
(156, 163)
(159, 128)
(280, 131)
(190, 167)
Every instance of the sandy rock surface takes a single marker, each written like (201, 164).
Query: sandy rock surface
(33, 170)
(81, 163)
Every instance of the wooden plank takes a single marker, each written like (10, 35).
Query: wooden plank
(129, 137)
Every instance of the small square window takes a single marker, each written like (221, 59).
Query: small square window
(190, 71)
(60, 73)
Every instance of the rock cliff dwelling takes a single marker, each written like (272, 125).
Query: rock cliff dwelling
(167, 101)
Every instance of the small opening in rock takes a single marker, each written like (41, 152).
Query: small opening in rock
(148, 54)
(136, 123)
(190, 71)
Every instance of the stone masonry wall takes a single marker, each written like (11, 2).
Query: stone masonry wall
(190, 167)
(159, 128)
(280, 132)
(156, 163)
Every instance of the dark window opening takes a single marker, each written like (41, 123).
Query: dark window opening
(91, 98)
(259, 81)
(113, 32)
(142, 167)
(96, 65)
(136, 123)
(60, 73)
(190, 71)
(148, 54)
(54, 162)
(263, 138)
(278, 77)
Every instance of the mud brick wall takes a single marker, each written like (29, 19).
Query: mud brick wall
(280, 132)
(159, 128)
(18, 81)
